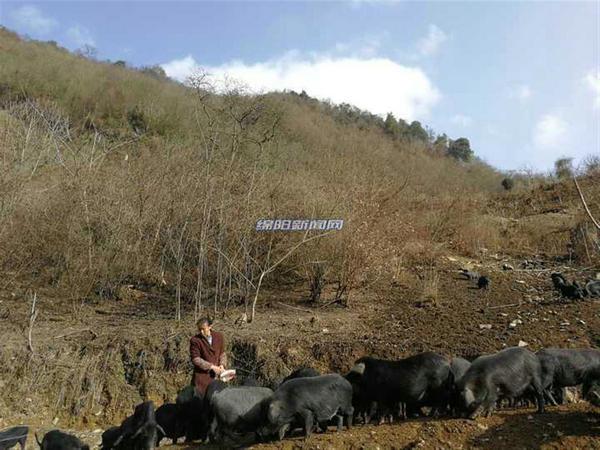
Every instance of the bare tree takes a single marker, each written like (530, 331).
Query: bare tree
(268, 268)
(87, 51)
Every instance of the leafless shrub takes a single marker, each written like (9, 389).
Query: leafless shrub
(316, 279)
(591, 165)
(429, 287)
(87, 204)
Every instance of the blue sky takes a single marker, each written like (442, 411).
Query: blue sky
(520, 79)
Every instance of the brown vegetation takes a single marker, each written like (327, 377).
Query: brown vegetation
(127, 201)
(114, 177)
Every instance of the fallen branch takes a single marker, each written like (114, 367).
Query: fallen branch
(120, 313)
(75, 332)
(585, 206)
(295, 307)
(505, 306)
(325, 305)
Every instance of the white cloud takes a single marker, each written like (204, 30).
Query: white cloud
(593, 81)
(31, 19)
(379, 85)
(80, 36)
(549, 132)
(365, 46)
(430, 44)
(461, 120)
(181, 69)
(521, 92)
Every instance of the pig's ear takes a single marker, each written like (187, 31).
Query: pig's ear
(358, 368)
(469, 396)
(273, 408)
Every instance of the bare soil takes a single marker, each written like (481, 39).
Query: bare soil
(391, 321)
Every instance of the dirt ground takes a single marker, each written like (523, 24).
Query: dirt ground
(387, 321)
(566, 427)
(573, 427)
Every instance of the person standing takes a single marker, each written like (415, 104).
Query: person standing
(207, 352)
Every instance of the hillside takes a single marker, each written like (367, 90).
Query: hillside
(128, 205)
(150, 178)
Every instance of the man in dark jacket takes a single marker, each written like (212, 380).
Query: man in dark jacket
(207, 352)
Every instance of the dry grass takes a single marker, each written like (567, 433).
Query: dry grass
(88, 204)
(429, 287)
